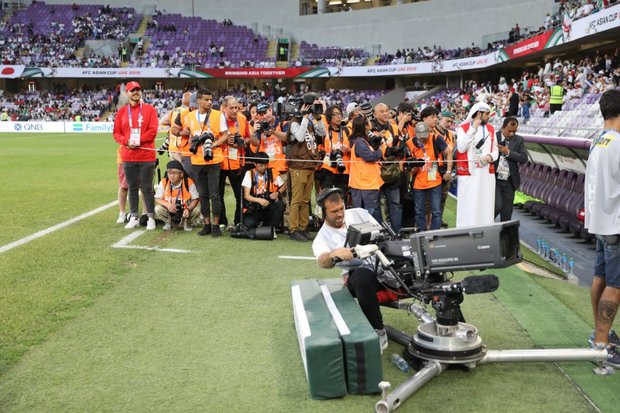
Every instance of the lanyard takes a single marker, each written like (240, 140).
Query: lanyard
(139, 117)
(180, 193)
(339, 136)
(206, 122)
(265, 179)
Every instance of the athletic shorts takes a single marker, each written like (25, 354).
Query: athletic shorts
(607, 262)
(122, 182)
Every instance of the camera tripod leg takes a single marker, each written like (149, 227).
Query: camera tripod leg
(398, 336)
(393, 400)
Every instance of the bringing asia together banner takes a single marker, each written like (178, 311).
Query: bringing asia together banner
(569, 31)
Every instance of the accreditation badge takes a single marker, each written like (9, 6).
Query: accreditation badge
(233, 153)
(432, 173)
(134, 137)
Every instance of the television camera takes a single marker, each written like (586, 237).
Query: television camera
(417, 267)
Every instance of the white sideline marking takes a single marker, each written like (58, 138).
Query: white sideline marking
(294, 257)
(134, 235)
(341, 325)
(54, 228)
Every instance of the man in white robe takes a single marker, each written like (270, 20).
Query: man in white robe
(476, 151)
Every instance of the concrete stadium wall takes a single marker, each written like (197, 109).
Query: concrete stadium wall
(446, 23)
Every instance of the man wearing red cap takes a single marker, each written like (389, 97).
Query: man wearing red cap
(135, 128)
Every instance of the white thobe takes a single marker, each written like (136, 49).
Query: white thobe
(476, 192)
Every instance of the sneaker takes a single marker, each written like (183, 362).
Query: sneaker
(121, 218)
(205, 231)
(133, 223)
(444, 224)
(150, 224)
(216, 231)
(613, 357)
(306, 234)
(298, 236)
(383, 339)
(167, 226)
(187, 226)
(613, 338)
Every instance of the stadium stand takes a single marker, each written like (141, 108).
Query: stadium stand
(50, 35)
(178, 41)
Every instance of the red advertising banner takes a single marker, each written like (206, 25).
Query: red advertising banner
(268, 73)
(529, 46)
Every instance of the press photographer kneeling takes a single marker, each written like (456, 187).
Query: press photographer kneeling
(176, 198)
(262, 195)
(329, 249)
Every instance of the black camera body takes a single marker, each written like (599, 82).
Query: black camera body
(261, 127)
(238, 140)
(206, 140)
(374, 141)
(336, 160)
(255, 206)
(178, 216)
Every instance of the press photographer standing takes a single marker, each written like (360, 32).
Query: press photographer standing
(303, 156)
(208, 132)
(135, 129)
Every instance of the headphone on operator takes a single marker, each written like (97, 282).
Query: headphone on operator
(326, 193)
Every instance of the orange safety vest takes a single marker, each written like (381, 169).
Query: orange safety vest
(272, 146)
(462, 161)
(171, 196)
(241, 126)
(428, 154)
(176, 143)
(364, 175)
(198, 128)
(336, 139)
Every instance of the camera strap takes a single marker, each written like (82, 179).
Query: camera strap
(340, 140)
(206, 123)
(255, 183)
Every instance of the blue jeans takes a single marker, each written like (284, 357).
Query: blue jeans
(395, 208)
(369, 200)
(607, 261)
(419, 196)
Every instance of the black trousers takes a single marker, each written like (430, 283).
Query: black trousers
(504, 198)
(270, 216)
(363, 285)
(207, 180)
(235, 177)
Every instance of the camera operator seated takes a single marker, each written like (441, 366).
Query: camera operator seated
(262, 195)
(176, 198)
(329, 247)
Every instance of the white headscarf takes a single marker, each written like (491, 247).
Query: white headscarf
(478, 107)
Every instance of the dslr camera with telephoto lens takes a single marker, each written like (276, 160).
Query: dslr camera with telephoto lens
(206, 140)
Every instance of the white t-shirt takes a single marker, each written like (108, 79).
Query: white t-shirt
(602, 185)
(262, 182)
(329, 238)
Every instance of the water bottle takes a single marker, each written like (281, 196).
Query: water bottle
(400, 362)
(571, 268)
(546, 251)
(538, 246)
(564, 263)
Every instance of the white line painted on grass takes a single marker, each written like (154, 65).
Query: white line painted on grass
(54, 228)
(294, 257)
(124, 243)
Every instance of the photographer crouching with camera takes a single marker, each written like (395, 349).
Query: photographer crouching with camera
(262, 194)
(176, 198)
(330, 251)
